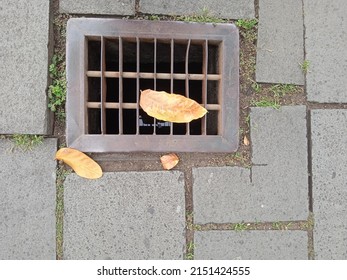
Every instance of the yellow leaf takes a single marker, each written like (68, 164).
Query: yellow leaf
(245, 140)
(169, 161)
(170, 107)
(83, 165)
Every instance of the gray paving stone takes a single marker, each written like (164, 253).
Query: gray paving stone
(251, 245)
(280, 47)
(329, 169)
(275, 189)
(24, 35)
(224, 8)
(223, 194)
(279, 153)
(326, 37)
(132, 215)
(115, 7)
(279, 137)
(27, 201)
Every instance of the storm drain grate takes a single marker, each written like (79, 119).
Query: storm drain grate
(110, 61)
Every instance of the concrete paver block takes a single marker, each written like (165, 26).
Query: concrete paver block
(329, 169)
(279, 153)
(223, 195)
(27, 201)
(279, 137)
(276, 187)
(251, 245)
(24, 73)
(115, 7)
(326, 37)
(125, 215)
(280, 45)
(224, 8)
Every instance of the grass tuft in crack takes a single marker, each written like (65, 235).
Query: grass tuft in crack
(153, 17)
(305, 66)
(256, 87)
(62, 173)
(204, 16)
(248, 29)
(264, 102)
(246, 24)
(57, 90)
(240, 226)
(26, 142)
(281, 225)
(190, 251)
(190, 224)
(281, 90)
(309, 225)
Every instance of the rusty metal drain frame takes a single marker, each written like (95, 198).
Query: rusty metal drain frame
(80, 29)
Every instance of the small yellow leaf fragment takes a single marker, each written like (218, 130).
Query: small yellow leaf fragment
(245, 140)
(169, 161)
(83, 165)
(170, 107)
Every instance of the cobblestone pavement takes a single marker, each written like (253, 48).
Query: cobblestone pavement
(290, 203)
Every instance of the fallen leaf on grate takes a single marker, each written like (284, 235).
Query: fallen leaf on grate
(83, 165)
(169, 161)
(245, 141)
(170, 107)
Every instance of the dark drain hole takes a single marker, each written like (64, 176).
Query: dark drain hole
(147, 125)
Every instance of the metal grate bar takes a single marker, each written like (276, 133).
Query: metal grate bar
(159, 76)
(85, 119)
(103, 86)
(204, 85)
(171, 76)
(187, 80)
(155, 80)
(137, 84)
(220, 86)
(120, 55)
(114, 105)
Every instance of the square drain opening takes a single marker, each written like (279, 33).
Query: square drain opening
(109, 61)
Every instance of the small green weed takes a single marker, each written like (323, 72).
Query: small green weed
(203, 17)
(256, 87)
(57, 90)
(310, 222)
(281, 225)
(247, 29)
(190, 224)
(266, 103)
(197, 227)
(248, 120)
(277, 225)
(189, 220)
(287, 226)
(238, 156)
(241, 227)
(190, 251)
(26, 141)
(247, 24)
(282, 89)
(153, 17)
(305, 66)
